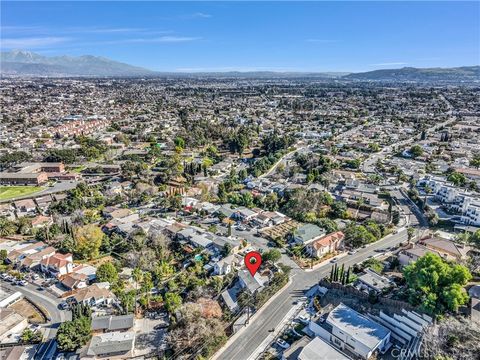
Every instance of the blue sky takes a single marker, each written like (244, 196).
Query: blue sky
(225, 36)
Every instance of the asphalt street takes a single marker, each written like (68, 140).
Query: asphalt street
(272, 315)
(47, 302)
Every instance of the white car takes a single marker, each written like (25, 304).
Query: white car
(303, 319)
(283, 344)
(22, 283)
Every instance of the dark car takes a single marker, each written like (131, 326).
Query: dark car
(160, 326)
(63, 305)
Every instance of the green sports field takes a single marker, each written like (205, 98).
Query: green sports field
(10, 192)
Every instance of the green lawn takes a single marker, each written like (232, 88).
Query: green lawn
(9, 192)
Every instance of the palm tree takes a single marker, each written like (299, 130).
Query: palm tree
(410, 234)
(137, 275)
(359, 204)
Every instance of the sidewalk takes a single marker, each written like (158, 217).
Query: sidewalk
(278, 330)
(252, 319)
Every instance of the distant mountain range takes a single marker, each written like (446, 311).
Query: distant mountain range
(26, 63)
(464, 73)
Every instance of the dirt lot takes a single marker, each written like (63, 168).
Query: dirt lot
(25, 308)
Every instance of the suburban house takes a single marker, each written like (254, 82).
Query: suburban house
(307, 233)
(57, 264)
(94, 295)
(229, 297)
(110, 323)
(371, 281)
(23, 250)
(88, 270)
(251, 283)
(112, 345)
(244, 214)
(268, 218)
(446, 248)
(324, 245)
(315, 349)
(25, 207)
(224, 266)
(74, 281)
(349, 330)
(413, 253)
(32, 261)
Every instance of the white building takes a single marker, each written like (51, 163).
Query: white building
(465, 203)
(349, 330)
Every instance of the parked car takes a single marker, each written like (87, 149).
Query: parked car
(303, 319)
(71, 300)
(282, 343)
(160, 326)
(63, 305)
(22, 283)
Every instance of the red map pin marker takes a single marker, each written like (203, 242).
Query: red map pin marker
(253, 260)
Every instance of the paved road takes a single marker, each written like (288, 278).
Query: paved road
(415, 215)
(282, 160)
(47, 302)
(272, 315)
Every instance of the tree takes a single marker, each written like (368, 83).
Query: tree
(373, 147)
(457, 179)
(3, 255)
(339, 210)
(197, 335)
(72, 335)
(7, 227)
(88, 239)
(435, 284)
(29, 336)
(416, 151)
(107, 272)
(410, 234)
(358, 235)
(272, 255)
(172, 302)
(475, 161)
(179, 142)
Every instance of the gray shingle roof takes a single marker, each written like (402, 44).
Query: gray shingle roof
(112, 323)
(111, 343)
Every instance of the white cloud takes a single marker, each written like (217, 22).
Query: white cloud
(31, 42)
